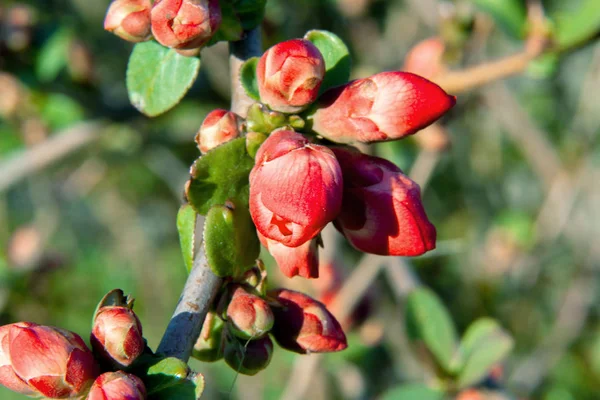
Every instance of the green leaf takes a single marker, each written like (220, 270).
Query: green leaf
(220, 175)
(510, 15)
(412, 391)
(250, 12)
(230, 28)
(428, 320)
(169, 379)
(336, 55)
(484, 344)
(248, 78)
(230, 240)
(53, 56)
(186, 226)
(158, 77)
(575, 22)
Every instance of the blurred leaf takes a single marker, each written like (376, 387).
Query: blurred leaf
(53, 56)
(250, 12)
(518, 226)
(230, 28)
(484, 345)
(60, 111)
(248, 78)
(230, 240)
(412, 391)
(510, 15)
(336, 55)
(158, 77)
(428, 320)
(220, 175)
(576, 22)
(186, 226)
(544, 66)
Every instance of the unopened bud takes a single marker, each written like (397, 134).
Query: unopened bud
(129, 19)
(219, 126)
(248, 315)
(117, 335)
(117, 386)
(248, 357)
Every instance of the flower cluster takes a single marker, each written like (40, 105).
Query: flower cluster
(44, 361)
(179, 24)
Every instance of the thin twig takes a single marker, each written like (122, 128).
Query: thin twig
(32, 160)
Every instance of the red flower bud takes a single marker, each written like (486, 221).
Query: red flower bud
(295, 188)
(117, 335)
(117, 386)
(249, 316)
(386, 106)
(219, 126)
(289, 75)
(185, 24)
(52, 362)
(129, 19)
(425, 58)
(302, 260)
(382, 211)
(304, 325)
(248, 357)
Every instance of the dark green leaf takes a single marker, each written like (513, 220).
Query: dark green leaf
(576, 22)
(414, 391)
(186, 226)
(336, 55)
(219, 175)
(230, 240)
(428, 320)
(53, 56)
(231, 27)
(169, 378)
(484, 344)
(248, 78)
(250, 12)
(158, 77)
(510, 15)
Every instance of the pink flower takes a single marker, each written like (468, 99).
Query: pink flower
(302, 260)
(117, 335)
(295, 188)
(382, 211)
(129, 19)
(51, 362)
(425, 58)
(386, 106)
(219, 126)
(117, 386)
(303, 325)
(185, 24)
(289, 75)
(250, 317)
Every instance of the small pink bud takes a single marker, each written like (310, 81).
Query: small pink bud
(425, 58)
(295, 188)
(219, 126)
(248, 357)
(289, 75)
(302, 260)
(250, 317)
(386, 106)
(185, 24)
(129, 19)
(117, 335)
(304, 325)
(52, 362)
(382, 211)
(117, 386)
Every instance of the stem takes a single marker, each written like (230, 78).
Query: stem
(202, 285)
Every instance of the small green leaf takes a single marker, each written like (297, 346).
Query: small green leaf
(53, 56)
(428, 320)
(484, 344)
(158, 77)
(510, 15)
(115, 297)
(169, 378)
(230, 240)
(248, 78)
(219, 175)
(412, 391)
(186, 226)
(250, 12)
(575, 22)
(336, 55)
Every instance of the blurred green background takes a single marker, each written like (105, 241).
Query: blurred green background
(89, 188)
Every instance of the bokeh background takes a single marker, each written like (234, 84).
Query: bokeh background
(89, 190)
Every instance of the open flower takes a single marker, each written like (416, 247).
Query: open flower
(302, 260)
(382, 211)
(295, 188)
(386, 106)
